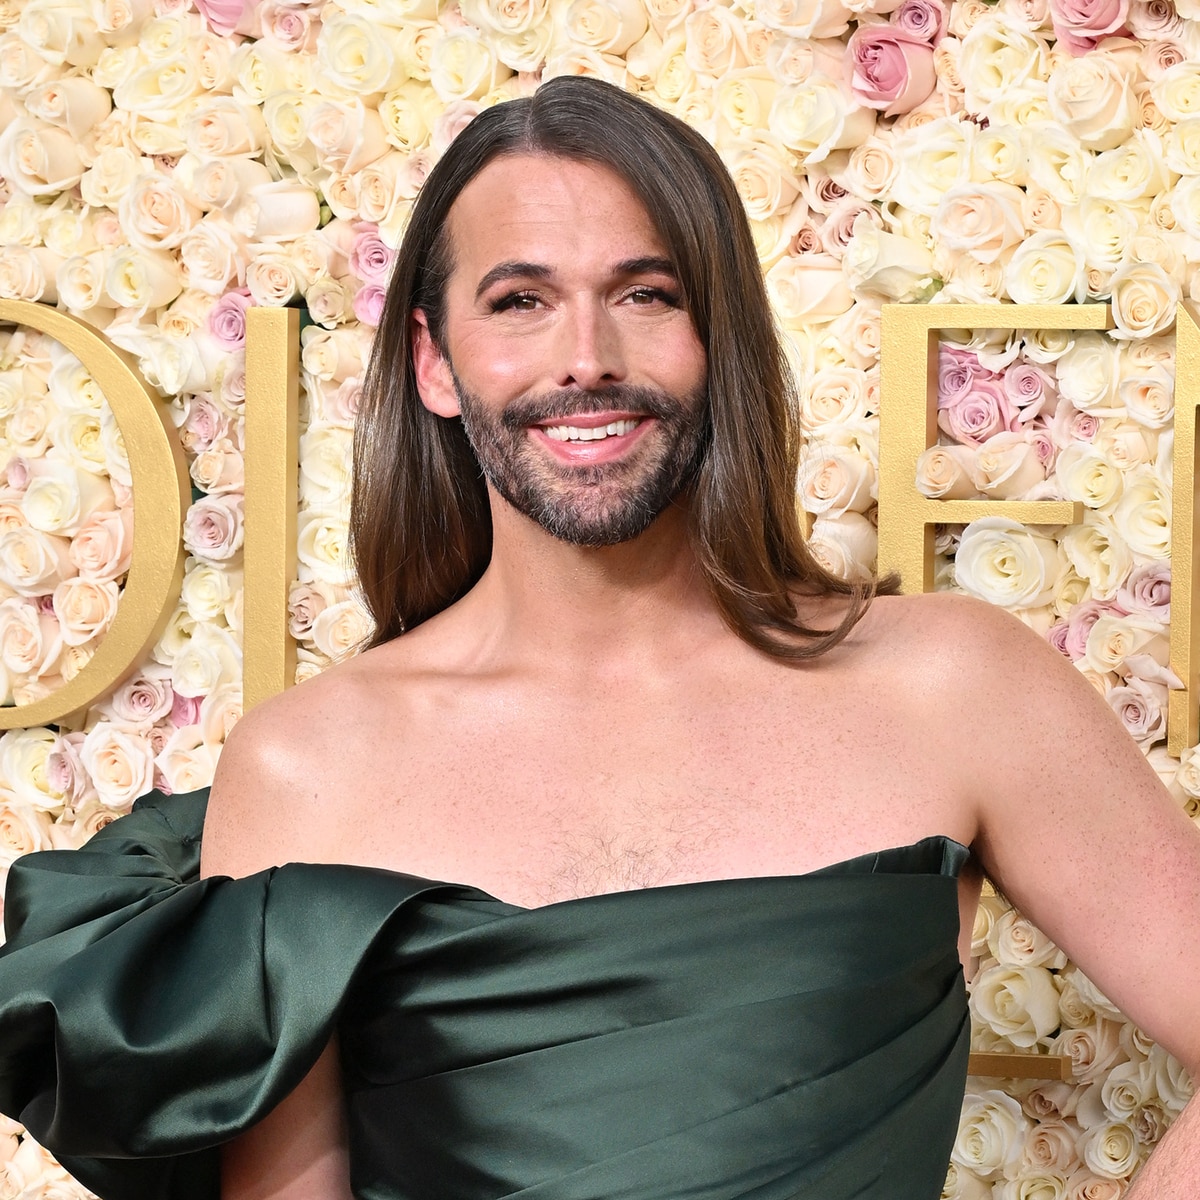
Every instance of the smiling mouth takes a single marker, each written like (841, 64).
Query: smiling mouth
(578, 433)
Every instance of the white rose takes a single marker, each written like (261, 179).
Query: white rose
(59, 499)
(61, 31)
(187, 761)
(1143, 515)
(24, 758)
(352, 55)
(999, 60)
(1132, 171)
(1112, 640)
(611, 26)
(120, 763)
(991, 1133)
(220, 711)
(1092, 97)
(341, 628)
(142, 279)
(763, 179)
(465, 67)
(804, 18)
(817, 117)
(1019, 1003)
(224, 125)
(32, 562)
(1088, 372)
(833, 395)
(346, 136)
(22, 831)
(887, 264)
(1172, 1083)
(932, 160)
(1058, 164)
(29, 273)
(211, 657)
(207, 590)
(980, 219)
(836, 479)
(806, 288)
(1007, 466)
(79, 282)
(1177, 91)
(224, 184)
(213, 255)
(39, 159)
(1088, 475)
(1004, 563)
(1098, 554)
(944, 473)
(1111, 1150)
(1016, 942)
(323, 549)
(325, 464)
(845, 545)
(1144, 299)
(1046, 268)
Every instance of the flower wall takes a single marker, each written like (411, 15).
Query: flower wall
(167, 164)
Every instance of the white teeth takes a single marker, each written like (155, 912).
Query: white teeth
(575, 433)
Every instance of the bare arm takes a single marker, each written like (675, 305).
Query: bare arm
(1078, 831)
(256, 819)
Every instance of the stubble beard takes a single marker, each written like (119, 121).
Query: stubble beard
(599, 505)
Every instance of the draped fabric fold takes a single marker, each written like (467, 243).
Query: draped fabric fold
(801, 1036)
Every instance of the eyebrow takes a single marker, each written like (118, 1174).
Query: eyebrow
(646, 265)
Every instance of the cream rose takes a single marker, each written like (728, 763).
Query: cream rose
(142, 279)
(804, 18)
(1093, 98)
(816, 118)
(1143, 515)
(1088, 475)
(1098, 554)
(84, 609)
(352, 55)
(39, 159)
(1088, 372)
(341, 628)
(325, 462)
(1111, 1150)
(103, 548)
(24, 757)
(1047, 268)
(809, 287)
(187, 761)
(932, 160)
(887, 264)
(1004, 563)
(835, 479)
(323, 537)
(845, 545)
(59, 499)
(1144, 299)
(980, 219)
(211, 657)
(944, 473)
(120, 763)
(220, 711)
(1007, 466)
(22, 830)
(1016, 942)
(991, 1133)
(1019, 1003)
(32, 562)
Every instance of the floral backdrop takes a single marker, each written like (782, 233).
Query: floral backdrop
(167, 164)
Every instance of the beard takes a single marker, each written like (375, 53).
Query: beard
(600, 504)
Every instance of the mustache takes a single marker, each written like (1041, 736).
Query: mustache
(572, 402)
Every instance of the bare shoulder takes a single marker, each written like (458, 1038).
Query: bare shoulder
(289, 765)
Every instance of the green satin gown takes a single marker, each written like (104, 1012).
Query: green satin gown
(801, 1036)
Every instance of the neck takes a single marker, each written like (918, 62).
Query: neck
(630, 604)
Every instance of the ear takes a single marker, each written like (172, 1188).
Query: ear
(435, 380)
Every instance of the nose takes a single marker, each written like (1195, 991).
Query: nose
(591, 354)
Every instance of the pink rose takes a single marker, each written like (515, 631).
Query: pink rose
(227, 320)
(924, 19)
(204, 424)
(1080, 25)
(957, 371)
(368, 303)
(1056, 635)
(980, 413)
(229, 16)
(185, 710)
(1141, 706)
(1147, 592)
(370, 258)
(1080, 621)
(1029, 388)
(890, 69)
(213, 528)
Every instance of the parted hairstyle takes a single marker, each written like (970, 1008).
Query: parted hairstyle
(421, 529)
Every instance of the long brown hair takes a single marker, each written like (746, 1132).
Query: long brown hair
(421, 530)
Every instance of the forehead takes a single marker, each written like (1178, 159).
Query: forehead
(540, 208)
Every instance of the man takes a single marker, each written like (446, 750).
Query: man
(610, 664)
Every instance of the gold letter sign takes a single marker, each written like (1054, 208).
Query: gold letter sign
(908, 425)
(163, 492)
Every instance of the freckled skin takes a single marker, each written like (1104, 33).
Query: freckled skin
(583, 721)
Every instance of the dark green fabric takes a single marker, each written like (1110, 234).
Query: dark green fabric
(802, 1036)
